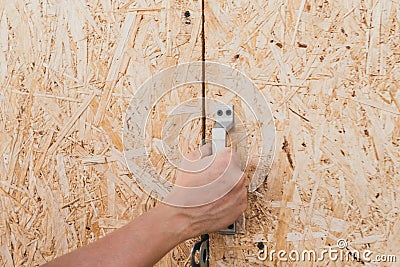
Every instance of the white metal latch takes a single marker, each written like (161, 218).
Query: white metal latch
(224, 122)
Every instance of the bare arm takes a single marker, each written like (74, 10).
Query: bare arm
(146, 239)
(140, 243)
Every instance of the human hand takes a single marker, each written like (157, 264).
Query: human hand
(210, 190)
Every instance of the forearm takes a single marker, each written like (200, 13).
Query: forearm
(142, 242)
(149, 237)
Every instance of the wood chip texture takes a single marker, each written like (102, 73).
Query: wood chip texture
(329, 69)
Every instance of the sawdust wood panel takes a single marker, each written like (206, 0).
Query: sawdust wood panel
(68, 70)
(330, 71)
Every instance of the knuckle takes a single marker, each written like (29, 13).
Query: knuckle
(244, 206)
(234, 157)
(222, 160)
(244, 199)
(191, 155)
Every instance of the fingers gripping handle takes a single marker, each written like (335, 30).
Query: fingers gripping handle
(224, 122)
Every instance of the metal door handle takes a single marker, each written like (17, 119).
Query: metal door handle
(224, 122)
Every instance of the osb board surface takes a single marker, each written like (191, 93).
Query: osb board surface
(329, 69)
(68, 71)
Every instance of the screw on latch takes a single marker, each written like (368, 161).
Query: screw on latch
(187, 17)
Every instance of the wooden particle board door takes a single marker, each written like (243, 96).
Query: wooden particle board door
(320, 72)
